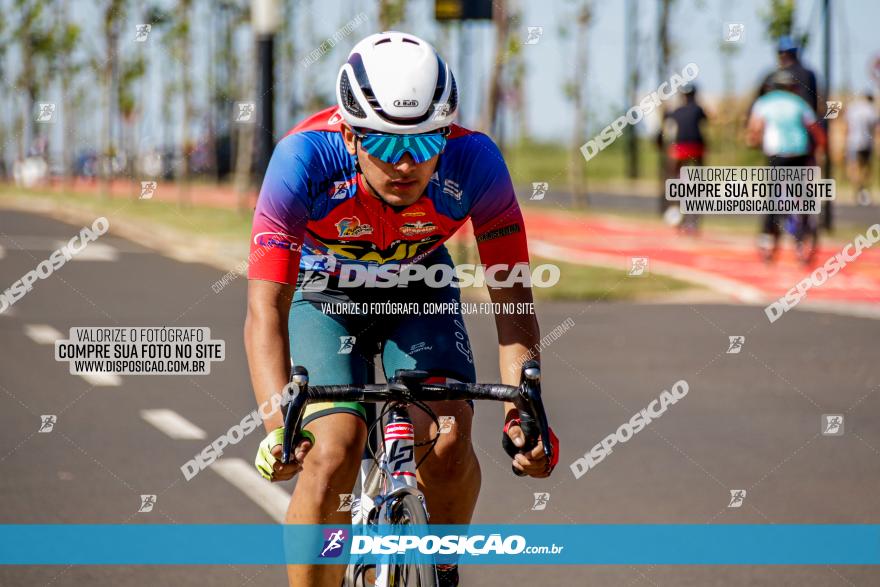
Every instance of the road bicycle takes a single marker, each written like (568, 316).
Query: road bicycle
(389, 493)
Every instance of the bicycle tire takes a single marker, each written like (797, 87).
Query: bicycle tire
(409, 510)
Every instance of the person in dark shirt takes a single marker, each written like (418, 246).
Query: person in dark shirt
(788, 53)
(686, 148)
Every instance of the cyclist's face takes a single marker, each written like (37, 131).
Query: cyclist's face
(399, 184)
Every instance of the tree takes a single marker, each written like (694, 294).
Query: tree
(68, 38)
(179, 37)
(501, 19)
(33, 34)
(664, 53)
(4, 44)
(106, 67)
(391, 12)
(778, 18)
(575, 92)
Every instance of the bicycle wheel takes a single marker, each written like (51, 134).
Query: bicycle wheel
(410, 511)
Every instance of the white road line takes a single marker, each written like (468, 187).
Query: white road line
(102, 379)
(93, 252)
(173, 424)
(42, 333)
(45, 334)
(244, 476)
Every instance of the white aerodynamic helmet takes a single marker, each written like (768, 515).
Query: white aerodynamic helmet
(396, 83)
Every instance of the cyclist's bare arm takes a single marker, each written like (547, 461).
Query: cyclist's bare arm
(518, 336)
(267, 344)
(754, 131)
(266, 341)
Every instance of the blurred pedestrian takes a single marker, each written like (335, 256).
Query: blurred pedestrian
(688, 147)
(860, 118)
(788, 59)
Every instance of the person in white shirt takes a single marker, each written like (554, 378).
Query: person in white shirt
(861, 123)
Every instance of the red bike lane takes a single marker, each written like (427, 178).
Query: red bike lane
(725, 262)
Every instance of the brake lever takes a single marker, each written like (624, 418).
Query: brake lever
(532, 427)
(300, 379)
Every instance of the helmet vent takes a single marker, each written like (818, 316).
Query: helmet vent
(348, 99)
(453, 95)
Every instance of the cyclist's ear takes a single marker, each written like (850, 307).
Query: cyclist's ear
(349, 139)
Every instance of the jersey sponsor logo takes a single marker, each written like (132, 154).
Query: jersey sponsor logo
(275, 240)
(340, 189)
(412, 213)
(369, 252)
(452, 189)
(435, 178)
(351, 226)
(416, 228)
(499, 232)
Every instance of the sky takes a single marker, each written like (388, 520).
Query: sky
(697, 29)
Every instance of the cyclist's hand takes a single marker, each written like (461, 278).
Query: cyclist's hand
(268, 461)
(533, 463)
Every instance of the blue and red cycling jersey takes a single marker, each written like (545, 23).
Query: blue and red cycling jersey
(313, 204)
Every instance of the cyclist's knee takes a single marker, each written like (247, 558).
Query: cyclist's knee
(453, 457)
(334, 459)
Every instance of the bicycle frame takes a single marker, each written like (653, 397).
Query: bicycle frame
(395, 477)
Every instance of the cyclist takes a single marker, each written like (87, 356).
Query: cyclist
(383, 178)
(788, 59)
(783, 123)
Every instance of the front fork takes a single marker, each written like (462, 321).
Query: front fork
(396, 476)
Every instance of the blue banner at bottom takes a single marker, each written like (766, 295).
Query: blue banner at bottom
(624, 544)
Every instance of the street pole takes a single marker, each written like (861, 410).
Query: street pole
(265, 17)
(826, 57)
(631, 79)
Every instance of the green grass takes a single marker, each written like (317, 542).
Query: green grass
(587, 282)
(584, 282)
(198, 220)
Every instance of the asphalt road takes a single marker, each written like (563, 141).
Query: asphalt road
(750, 421)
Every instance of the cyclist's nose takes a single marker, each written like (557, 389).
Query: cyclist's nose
(406, 163)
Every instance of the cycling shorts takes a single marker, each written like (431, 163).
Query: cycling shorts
(339, 347)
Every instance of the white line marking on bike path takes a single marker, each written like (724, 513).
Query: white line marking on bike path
(45, 334)
(101, 379)
(173, 424)
(270, 497)
(93, 252)
(42, 333)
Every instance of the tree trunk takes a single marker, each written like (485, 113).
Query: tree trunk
(496, 89)
(186, 89)
(576, 178)
(662, 73)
